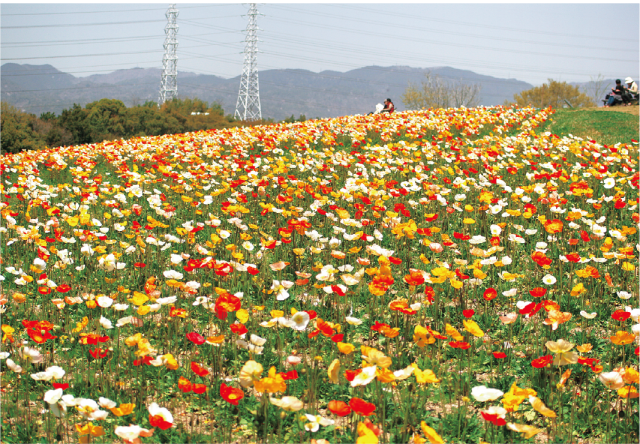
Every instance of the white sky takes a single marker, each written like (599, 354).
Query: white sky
(571, 42)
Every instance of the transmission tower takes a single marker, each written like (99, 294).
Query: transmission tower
(248, 105)
(169, 83)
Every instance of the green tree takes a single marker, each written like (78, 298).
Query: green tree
(16, 130)
(554, 94)
(74, 121)
(48, 116)
(105, 119)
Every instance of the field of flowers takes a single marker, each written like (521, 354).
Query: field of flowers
(435, 276)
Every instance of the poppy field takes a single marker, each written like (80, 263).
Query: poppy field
(449, 275)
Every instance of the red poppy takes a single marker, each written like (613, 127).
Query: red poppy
(199, 388)
(540, 258)
(196, 338)
(312, 314)
(60, 386)
(351, 374)
(415, 279)
(379, 326)
(490, 293)
(461, 276)
(44, 290)
(92, 339)
(324, 328)
(361, 407)
(589, 362)
(460, 344)
(395, 260)
(573, 257)
(98, 353)
(542, 361)
(338, 338)
(339, 408)
(538, 292)
(531, 309)
(238, 329)
(39, 336)
(228, 302)
(184, 384)
(468, 313)
(222, 314)
(290, 375)
(584, 236)
(499, 355)
(620, 315)
(140, 264)
(231, 394)
(64, 288)
(198, 370)
(620, 204)
(159, 422)
(144, 360)
(494, 419)
(252, 271)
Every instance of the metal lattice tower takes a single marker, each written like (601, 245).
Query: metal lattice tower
(248, 105)
(169, 83)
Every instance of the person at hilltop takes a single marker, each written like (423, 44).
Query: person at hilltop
(617, 94)
(632, 90)
(388, 107)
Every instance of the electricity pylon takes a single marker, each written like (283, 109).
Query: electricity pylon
(169, 83)
(248, 105)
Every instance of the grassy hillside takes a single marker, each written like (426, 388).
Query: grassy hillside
(606, 125)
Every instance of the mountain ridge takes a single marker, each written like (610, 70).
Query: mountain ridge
(283, 92)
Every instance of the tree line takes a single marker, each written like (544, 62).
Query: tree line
(108, 119)
(435, 92)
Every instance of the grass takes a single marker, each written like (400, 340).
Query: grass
(606, 125)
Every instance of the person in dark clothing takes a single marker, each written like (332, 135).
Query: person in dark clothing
(617, 93)
(388, 107)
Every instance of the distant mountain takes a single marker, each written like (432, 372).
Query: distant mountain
(283, 92)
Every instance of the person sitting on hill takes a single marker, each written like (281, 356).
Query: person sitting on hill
(388, 107)
(616, 94)
(632, 89)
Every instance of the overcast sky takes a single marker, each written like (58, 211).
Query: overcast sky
(571, 42)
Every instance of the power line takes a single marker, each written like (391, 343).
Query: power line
(296, 40)
(78, 42)
(81, 55)
(81, 24)
(532, 31)
(104, 12)
(91, 55)
(103, 40)
(457, 33)
(395, 37)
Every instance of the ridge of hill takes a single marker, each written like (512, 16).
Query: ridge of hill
(40, 88)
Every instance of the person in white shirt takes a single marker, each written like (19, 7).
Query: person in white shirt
(632, 88)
